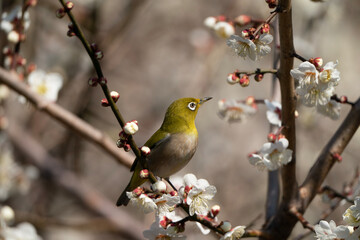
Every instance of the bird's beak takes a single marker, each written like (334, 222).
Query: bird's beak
(205, 99)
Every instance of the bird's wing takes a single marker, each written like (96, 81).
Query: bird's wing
(154, 141)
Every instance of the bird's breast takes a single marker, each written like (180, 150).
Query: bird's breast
(172, 155)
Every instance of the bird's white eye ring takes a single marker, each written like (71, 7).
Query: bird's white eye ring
(192, 106)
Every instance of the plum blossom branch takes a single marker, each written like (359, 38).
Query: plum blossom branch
(99, 72)
(65, 117)
(326, 159)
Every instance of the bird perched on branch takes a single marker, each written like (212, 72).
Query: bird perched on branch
(172, 146)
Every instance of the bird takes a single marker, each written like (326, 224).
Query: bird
(172, 145)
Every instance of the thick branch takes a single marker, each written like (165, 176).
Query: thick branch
(65, 117)
(326, 160)
(51, 167)
(288, 102)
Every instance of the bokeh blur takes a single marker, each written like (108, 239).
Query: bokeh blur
(154, 53)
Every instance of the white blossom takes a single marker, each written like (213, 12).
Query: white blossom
(272, 155)
(234, 111)
(330, 74)
(254, 49)
(200, 192)
(262, 45)
(9, 21)
(224, 29)
(131, 127)
(235, 233)
(143, 202)
(306, 74)
(273, 113)
(45, 84)
(166, 204)
(210, 22)
(156, 232)
(352, 214)
(23, 231)
(331, 109)
(329, 231)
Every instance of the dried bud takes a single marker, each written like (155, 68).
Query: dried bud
(259, 77)
(232, 78)
(225, 226)
(119, 143)
(242, 20)
(343, 99)
(271, 137)
(337, 157)
(93, 81)
(144, 173)
(102, 81)
(69, 5)
(127, 147)
(123, 136)
(131, 127)
(244, 81)
(60, 13)
(104, 102)
(94, 47)
(98, 54)
(114, 95)
(215, 210)
(159, 187)
(145, 151)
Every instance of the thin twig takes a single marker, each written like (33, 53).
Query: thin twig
(301, 218)
(65, 117)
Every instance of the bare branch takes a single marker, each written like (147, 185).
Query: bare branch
(325, 161)
(73, 184)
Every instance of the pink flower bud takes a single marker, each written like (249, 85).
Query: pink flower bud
(144, 174)
(164, 223)
(232, 78)
(245, 33)
(215, 210)
(93, 81)
(138, 191)
(145, 151)
(221, 18)
(337, 157)
(225, 226)
(60, 13)
(244, 81)
(174, 193)
(318, 62)
(271, 137)
(114, 95)
(280, 136)
(259, 77)
(343, 99)
(131, 127)
(250, 100)
(69, 5)
(104, 102)
(242, 20)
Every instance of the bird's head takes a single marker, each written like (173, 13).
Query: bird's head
(182, 112)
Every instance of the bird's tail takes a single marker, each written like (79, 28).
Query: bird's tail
(135, 181)
(123, 199)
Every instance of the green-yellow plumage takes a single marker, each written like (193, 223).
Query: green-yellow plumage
(172, 146)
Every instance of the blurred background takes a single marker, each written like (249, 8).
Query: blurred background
(156, 52)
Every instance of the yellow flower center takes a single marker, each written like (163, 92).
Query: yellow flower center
(41, 89)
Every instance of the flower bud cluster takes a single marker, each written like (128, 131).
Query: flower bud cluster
(130, 128)
(223, 28)
(114, 95)
(97, 53)
(243, 78)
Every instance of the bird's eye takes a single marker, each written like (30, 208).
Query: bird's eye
(192, 106)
